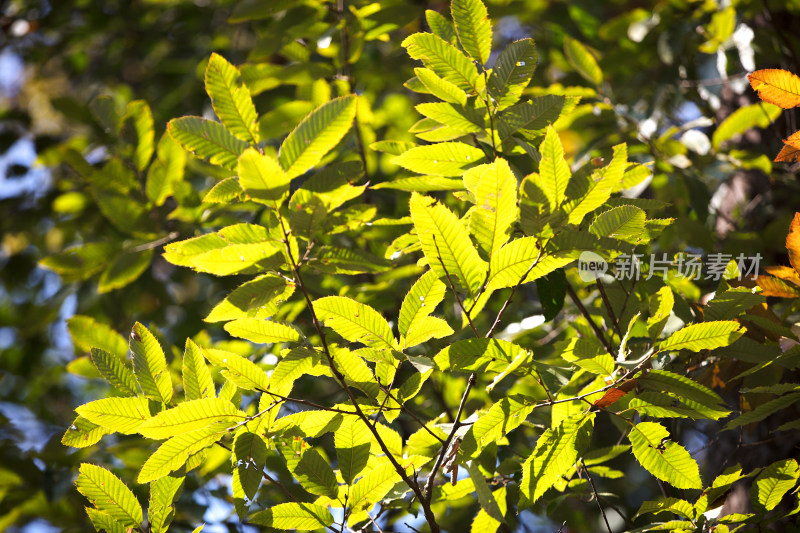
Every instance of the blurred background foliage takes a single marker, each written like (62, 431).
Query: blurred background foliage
(670, 80)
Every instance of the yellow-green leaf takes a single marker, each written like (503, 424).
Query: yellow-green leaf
(207, 140)
(109, 494)
(759, 115)
(442, 159)
(582, 61)
(302, 516)
(704, 336)
(512, 72)
(665, 459)
(231, 99)
(124, 415)
(356, 322)
(473, 27)
(150, 365)
(444, 59)
(197, 382)
(262, 178)
(190, 416)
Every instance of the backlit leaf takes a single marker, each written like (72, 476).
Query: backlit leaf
(553, 169)
(124, 415)
(87, 333)
(759, 115)
(774, 482)
(443, 159)
(302, 516)
(512, 72)
(440, 88)
(262, 331)
(764, 410)
(793, 243)
(495, 211)
(82, 433)
(231, 99)
(262, 178)
(355, 321)
(491, 355)
(163, 493)
(190, 416)
(124, 270)
(473, 28)
(446, 244)
(582, 61)
(619, 222)
(597, 188)
(665, 459)
(352, 441)
(555, 454)
(175, 452)
(239, 370)
(114, 370)
(704, 336)
(776, 86)
(150, 365)
(109, 494)
(258, 298)
(421, 300)
(316, 135)
(444, 59)
(207, 140)
(197, 382)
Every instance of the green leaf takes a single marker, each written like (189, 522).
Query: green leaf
(139, 112)
(249, 458)
(356, 322)
(501, 418)
(484, 521)
(595, 190)
(124, 415)
(197, 382)
(731, 303)
(662, 405)
(666, 460)
(103, 521)
(759, 115)
(620, 222)
(764, 410)
(311, 424)
(441, 26)
(444, 59)
(669, 505)
(161, 510)
(461, 119)
(442, 159)
(303, 516)
(661, 304)
(207, 140)
(190, 416)
(397, 147)
(224, 192)
(257, 298)
(78, 262)
(283, 118)
(588, 354)
(262, 178)
(175, 452)
(109, 494)
(683, 387)
(582, 61)
(262, 331)
(352, 441)
(87, 333)
(429, 327)
(446, 244)
(82, 433)
(704, 336)
(473, 27)
(231, 99)
(316, 135)
(440, 88)
(374, 486)
(487, 500)
(495, 211)
(472, 355)
(233, 249)
(239, 370)
(555, 454)
(553, 169)
(150, 365)
(534, 115)
(512, 261)
(124, 270)
(114, 370)
(167, 170)
(774, 482)
(309, 468)
(421, 300)
(512, 72)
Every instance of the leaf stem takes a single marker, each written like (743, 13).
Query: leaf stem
(596, 497)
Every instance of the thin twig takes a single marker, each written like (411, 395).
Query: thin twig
(348, 74)
(308, 403)
(153, 244)
(456, 425)
(587, 316)
(610, 309)
(594, 490)
(410, 413)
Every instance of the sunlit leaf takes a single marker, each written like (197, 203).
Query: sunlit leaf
(704, 336)
(190, 416)
(582, 60)
(231, 99)
(774, 482)
(443, 159)
(665, 459)
(150, 365)
(444, 59)
(512, 72)
(207, 140)
(124, 415)
(776, 86)
(109, 494)
(473, 28)
(355, 322)
(302, 516)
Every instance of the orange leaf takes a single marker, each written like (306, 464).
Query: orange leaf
(785, 273)
(611, 396)
(793, 140)
(776, 287)
(788, 154)
(776, 86)
(793, 242)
